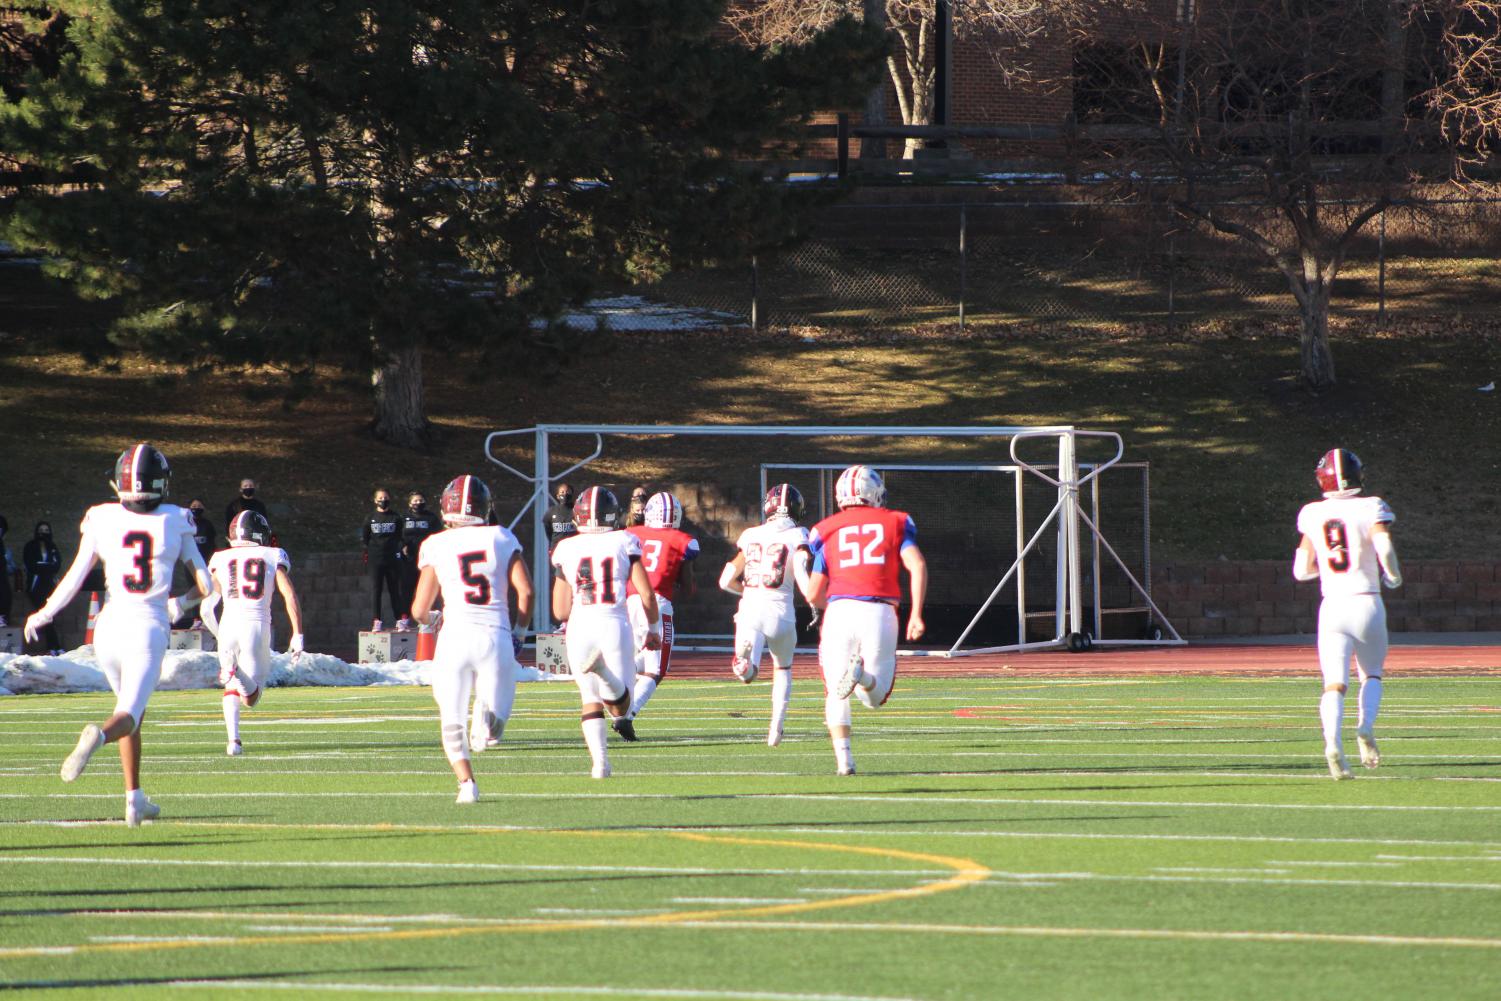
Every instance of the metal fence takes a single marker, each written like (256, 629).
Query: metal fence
(1090, 263)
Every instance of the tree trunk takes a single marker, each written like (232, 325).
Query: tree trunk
(1318, 360)
(875, 101)
(400, 415)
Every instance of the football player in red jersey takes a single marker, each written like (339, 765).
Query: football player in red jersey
(857, 559)
(667, 554)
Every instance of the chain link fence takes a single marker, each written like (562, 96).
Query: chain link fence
(1090, 263)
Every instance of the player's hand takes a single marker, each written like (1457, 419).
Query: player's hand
(294, 647)
(653, 641)
(174, 609)
(813, 620)
(35, 623)
(915, 627)
(1391, 582)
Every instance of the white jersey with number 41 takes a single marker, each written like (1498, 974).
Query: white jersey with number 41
(1340, 528)
(597, 566)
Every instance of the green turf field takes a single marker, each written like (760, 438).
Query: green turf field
(1006, 838)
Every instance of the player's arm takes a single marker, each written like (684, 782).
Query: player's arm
(424, 596)
(521, 586)
(562, 598)
(818, 574)
(642, 583)
(1386, 554)
(1306, 560)
(294, 611)
(802, 564)
(917, 571)
(730, 576)
(686, 581)
(67, 589)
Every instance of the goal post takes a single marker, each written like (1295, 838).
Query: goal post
(1026, 532)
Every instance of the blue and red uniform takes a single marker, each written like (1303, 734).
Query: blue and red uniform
(859, 551)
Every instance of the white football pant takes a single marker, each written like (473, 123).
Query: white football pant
(612, 637)
(869, 629)
(652, 663)
(762, 626)
(1351, 625)
(129, 651)
(245, 645)
(469, 659)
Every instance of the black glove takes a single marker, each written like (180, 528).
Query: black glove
(813, 622)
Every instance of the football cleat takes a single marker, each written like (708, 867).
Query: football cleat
(1370, 755)
(135, 812)
(1338, 770)
(141, 478)
(859, 485)
(468, 793)
(849, 680)
(250, 528)
(89, 741)
(774, 735)
(600, 770)
(742, 666)
(626, 729)
(783, 501)
(466, 501)
(234, 749)
(1338, 470)
(848, 769)
(663, 511)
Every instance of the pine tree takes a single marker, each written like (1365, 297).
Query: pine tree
(261, 181)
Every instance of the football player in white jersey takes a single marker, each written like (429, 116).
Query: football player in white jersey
(1347, 544)
(139, 540)
(589, 593)
(474, 567)
(770, 558)
(246, 577)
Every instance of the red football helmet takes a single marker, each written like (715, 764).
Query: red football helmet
(466, 501)
(250, 528)
(596, 510)
(1338, 470)
(141, 478)
(783, 501)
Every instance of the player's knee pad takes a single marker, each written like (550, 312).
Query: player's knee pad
(592, 711)
(1335, 688)
(836, 712)
(455, 742)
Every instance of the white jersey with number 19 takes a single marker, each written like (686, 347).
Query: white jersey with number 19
(246, 578)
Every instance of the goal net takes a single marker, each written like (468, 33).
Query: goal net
(1029, 545)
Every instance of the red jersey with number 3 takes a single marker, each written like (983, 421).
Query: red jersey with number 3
(597, 566)
(859, 550)
(663, 553)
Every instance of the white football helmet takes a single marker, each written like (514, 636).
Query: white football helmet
(859, 485)
(663, 511)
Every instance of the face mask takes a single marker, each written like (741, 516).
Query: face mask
(382, 504)
(248, 492)
(44, 534)
(196, 510)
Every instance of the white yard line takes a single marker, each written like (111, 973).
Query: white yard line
(619, 991)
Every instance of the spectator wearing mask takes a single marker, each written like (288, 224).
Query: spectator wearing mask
(10, 575)
(417, 524)
(382, 538)
(558, 522)
(637, 514)
(204, 538)
(43, 562)
(247, 501)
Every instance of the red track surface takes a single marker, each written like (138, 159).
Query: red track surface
(1207, 659)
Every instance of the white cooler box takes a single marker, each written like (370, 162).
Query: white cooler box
(383, 647)
(191, 639)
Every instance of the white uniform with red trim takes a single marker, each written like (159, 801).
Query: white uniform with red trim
(597, 567)
(1352, 617)
(474, 652)
(245, 578)
(766, 618)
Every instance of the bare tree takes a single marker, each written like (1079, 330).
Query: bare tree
(1004, 28)
(1466, 94)
(1284, 124)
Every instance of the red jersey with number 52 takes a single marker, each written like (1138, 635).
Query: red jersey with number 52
(597, 565)
(473, 566)
(859, 550)
(663, 553)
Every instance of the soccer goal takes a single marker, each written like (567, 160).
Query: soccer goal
(1012, 521)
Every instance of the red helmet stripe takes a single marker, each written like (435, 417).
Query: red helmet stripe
(464, 499)
(132, 475)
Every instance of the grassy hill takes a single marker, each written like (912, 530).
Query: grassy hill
(1231, 437)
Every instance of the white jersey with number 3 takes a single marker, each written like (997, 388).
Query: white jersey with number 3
(1340, 528)
(473, 564)
(769, 551)
(246, 576)
(597, 566)
(139, 552)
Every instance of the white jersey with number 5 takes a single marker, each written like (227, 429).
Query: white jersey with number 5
(473, 564)
(246, 576)
(1340, 528)
(769, 550)
(597, 566)
(139, 552)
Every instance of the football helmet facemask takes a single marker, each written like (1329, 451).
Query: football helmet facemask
(859, 485)
(466, 501)
(250, 528)
(1338, 472)
(141, 478)
(663, 511)
(783, 501)
(596, 510)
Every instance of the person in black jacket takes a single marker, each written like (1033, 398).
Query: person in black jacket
(557, 523)
(247, 501)
(382, 538)
(203, 529)
(43, 563)
(417, 524)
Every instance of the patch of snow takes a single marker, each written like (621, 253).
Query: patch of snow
(632, 312)
(78, 671)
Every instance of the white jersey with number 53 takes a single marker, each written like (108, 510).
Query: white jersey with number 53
(138, 551)
(597, 566)
(1340, 528)
(246, 577)
(473, 564)
(769, 550)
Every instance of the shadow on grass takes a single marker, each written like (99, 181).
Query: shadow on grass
(82, 984)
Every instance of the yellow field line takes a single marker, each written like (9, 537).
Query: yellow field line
(966, 871)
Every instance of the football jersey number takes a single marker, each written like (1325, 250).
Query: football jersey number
(1338, 541)
(585, 583)
(651, 554)
(852, 554)
(765, 567)
(479, 584)
(140, 581)
(255, 579)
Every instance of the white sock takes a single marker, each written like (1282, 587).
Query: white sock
(594, 736)
(781, 694)
(1332, 714)
(232, 716)
(1370, 704)
(842, 754)
(645, 686)
(136, 798)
